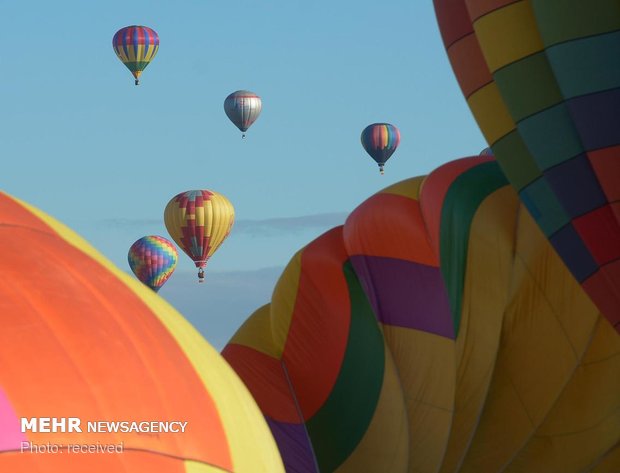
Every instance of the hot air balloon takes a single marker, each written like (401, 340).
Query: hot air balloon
(86, 340)
(243, 108)
(556, 137)
(136, 46)
(380, 140)
(436, 331)
(486, 152)
(199, 221)
(152, 259)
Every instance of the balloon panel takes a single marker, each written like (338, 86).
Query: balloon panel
(328, 416)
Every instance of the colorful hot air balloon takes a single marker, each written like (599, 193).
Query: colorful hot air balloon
(557, 137)
(136, 46)
(437, 331)
(486, 152)
(153, 259)
(243, 108)
(87, 340)
(380, 140)
(199, 221)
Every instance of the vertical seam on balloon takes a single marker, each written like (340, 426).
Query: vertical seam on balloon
(597, 461)
(577, 365)
(472, 432)
(300, 414)
(501, 7)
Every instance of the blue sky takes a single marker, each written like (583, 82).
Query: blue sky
(81, 142)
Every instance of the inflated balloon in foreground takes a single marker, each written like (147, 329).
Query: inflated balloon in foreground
(557, 138)
(153, 259)
(136, 46)
(199, 221)
(243, 108)
(380, 140)
(437, 331)
(87, 340)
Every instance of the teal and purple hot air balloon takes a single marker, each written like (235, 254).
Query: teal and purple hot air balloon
(243, 108)
(153, 259)
(556, 138)
(380, 140)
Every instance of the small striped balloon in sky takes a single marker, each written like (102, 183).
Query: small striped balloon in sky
(153, 259)
(136, 46)
(380, 140)
(243, 108)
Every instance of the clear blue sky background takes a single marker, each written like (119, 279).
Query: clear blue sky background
(81, 142)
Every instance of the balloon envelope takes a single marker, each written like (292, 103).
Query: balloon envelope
(153, 259)
(439, 328)
(82, 338)
(380, 140)
(199, 221)
(136, 46)
(243, 108)
(556, 138)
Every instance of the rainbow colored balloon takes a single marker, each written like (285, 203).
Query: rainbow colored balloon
(380, 140)
(436, 331)
(199, 221)
(153, 259)
(543, 82)
(136, 46)
(82, 338)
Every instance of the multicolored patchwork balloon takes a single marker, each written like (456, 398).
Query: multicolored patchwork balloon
(199, 221)
(380, 140)
(136, 46)
(153, 259)
(437, 331)
(557, 138)
(243, 108)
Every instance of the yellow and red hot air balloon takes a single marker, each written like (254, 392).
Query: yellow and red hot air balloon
(136, 46)
(199, 221)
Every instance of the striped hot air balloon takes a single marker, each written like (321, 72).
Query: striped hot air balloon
(380, 140)
(199, 221)
(243, 108)
(153, 259)
(136, 46)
